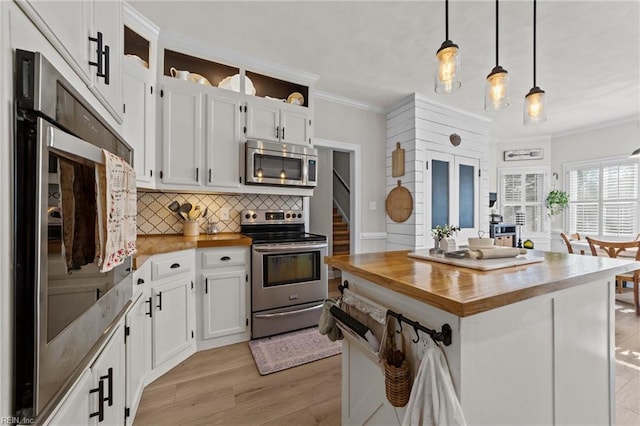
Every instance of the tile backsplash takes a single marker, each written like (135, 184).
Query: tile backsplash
(155, 218)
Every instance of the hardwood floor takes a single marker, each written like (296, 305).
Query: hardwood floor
(223, 387)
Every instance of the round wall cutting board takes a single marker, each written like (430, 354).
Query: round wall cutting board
(399, 203)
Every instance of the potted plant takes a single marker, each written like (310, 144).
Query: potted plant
(556, 202)
(440, 232)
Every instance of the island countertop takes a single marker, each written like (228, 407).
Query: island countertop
(463, 291)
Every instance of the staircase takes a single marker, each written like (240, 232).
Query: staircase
(341, 243)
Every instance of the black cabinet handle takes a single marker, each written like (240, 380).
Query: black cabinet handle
(277, 131)
(140, 281)
(206, 286)
(98, 63)
(282, 132)
(109, 377)
(197, 174)
(209, 175)
(150, 313)
(97, 293)
(106, 65)
(159, 301)
(175, 265)
(100, 412)
(225, 258)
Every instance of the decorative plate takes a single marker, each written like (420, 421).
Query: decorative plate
(296, 98)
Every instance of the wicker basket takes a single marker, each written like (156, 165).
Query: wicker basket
(397, 383)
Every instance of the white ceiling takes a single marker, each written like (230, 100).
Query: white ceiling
(588, 58)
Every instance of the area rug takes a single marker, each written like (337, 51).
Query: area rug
(288, 350)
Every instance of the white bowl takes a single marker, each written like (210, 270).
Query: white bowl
(476, 243)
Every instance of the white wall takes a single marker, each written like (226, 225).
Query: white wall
(321, 205)
(618, 139)
(342, 123)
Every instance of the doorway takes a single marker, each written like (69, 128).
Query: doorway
(334, 208)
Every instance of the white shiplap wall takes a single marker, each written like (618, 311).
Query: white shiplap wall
(421, 125)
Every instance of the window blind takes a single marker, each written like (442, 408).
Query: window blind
(603, 198)
(524, 191)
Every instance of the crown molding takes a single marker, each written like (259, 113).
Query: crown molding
(133, 16)
(201, 48)
(343, 100)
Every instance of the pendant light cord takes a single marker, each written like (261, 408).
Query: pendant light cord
(446, 19)
(497, 33)
(534, 43)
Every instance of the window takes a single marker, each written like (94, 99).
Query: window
(603, 197)
(524, 190)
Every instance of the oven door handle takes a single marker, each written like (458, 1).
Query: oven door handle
(67, 145)
(288, 247)
(284, 314)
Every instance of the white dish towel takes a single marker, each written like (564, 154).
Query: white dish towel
(433, 399)
(117, 211)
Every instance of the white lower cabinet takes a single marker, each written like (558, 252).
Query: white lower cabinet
(98, 396)
(224, 298)
(138, 351)
(172, 328)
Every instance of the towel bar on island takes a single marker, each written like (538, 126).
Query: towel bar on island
(444, 335)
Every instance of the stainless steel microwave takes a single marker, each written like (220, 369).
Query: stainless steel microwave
(279, 164)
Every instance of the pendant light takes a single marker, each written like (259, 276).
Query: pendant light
(534, 100)
(496, 94)
(447, 78)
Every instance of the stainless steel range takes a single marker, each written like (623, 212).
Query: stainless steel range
(289, 277)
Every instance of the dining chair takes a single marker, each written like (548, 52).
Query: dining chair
(567, 241)
(614, 249)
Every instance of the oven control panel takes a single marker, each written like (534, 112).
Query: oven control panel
(260, 216)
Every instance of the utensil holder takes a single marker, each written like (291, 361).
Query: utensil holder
(191, 228)
(397, 383)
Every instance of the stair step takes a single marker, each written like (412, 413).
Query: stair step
(341, 232)
(340, 243)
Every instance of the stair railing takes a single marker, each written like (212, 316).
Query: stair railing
(341, 196)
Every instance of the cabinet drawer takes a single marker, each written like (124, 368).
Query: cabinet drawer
(224, 257)
(174, 264)
(141, 276)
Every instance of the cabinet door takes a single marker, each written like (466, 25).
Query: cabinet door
(68, 25)
(75, 409)
(139, 123)
(138, 348)
(108, 21)
(171, 320)
(263, 120)
(182, 133)
(223, 145)
(224, 302)
(295, 125)
(109, 369)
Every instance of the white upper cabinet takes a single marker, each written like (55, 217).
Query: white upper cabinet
(107, 85)
(139, 123)
(222, 146)
(183, 132)
(88, 34)
(277, 121)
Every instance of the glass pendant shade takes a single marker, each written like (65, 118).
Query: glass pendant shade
(534, 107)
(447, 68)
(496, 94)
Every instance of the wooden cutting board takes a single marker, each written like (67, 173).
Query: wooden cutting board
(397, 161)
(399, 203)
(480, 264)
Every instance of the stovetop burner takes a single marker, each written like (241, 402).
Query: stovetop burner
(276, 226)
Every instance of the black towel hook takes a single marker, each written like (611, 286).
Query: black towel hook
(415, 328)
(399, 323)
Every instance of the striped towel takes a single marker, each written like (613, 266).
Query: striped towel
(117, 210)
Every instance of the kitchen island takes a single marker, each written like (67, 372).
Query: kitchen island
(531, 344)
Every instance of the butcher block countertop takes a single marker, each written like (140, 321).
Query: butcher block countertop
(149, 245)
(464, 292)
